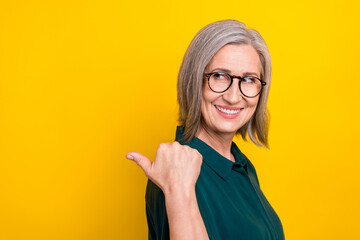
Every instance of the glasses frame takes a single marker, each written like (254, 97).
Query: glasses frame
(263, 83)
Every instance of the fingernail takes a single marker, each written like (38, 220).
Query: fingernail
(128, 156)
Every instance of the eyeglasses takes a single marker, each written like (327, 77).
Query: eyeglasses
(249, 86)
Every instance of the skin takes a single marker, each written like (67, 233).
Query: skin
(216, 130)
(176, 168)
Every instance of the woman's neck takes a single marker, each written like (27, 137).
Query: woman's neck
(219, 141)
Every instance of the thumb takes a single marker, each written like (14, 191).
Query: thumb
(140, 160)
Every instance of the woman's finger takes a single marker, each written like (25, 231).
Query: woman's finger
(140, 160)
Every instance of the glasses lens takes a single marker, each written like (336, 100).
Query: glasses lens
(219, 82)
(250, 86)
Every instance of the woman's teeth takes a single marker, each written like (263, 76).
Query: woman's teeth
(227, 111)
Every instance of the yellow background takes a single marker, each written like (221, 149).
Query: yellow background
(84, 82)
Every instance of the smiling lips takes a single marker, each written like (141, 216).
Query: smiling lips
(228, 112)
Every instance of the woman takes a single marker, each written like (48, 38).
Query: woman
(201, 186)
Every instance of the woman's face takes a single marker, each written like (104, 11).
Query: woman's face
(239, 60)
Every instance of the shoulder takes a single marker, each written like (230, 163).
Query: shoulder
(249, 164)
(251, 171)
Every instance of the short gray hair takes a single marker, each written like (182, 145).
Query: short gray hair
(206, 43)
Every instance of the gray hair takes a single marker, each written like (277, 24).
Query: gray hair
(206, 43)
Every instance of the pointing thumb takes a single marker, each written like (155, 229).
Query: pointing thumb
(140, 160)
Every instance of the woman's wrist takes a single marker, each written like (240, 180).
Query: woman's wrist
(180, 192)
(185, 220)
(180, 203)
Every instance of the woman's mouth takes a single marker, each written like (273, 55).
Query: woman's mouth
(228, 112)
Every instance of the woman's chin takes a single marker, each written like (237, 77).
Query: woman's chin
(226, 130)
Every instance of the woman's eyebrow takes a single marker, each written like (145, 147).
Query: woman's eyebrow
(229, 72)
(221, 70)
(250, 74)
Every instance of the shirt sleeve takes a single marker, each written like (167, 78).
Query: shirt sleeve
(156, 215)
(150, 222)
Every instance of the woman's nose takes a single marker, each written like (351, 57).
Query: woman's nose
(233, 94)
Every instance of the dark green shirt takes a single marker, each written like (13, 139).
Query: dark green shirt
(230, 200)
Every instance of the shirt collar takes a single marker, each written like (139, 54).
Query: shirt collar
(218, 163)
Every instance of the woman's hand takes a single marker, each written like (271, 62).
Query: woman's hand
(175, 169)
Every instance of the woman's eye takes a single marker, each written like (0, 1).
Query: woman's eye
(219, 76)
(249, 79)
